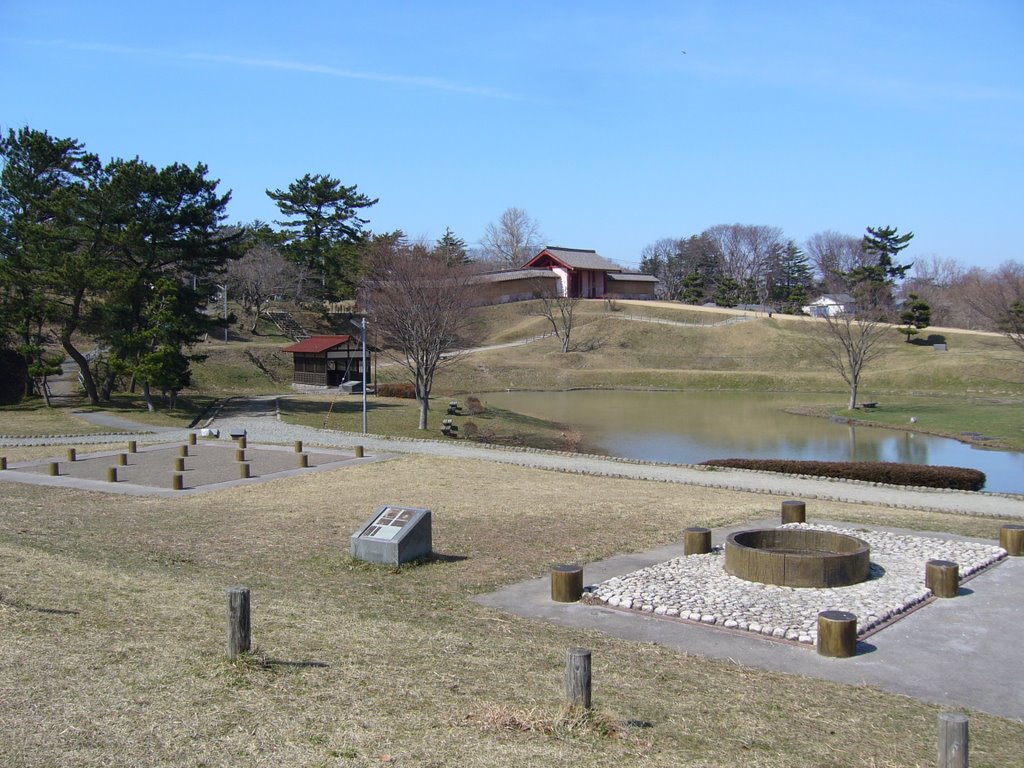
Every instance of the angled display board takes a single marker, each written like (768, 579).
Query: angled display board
(393, 535)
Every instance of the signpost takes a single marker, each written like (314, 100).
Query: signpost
(393, 535)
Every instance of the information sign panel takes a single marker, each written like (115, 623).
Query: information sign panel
(393, 535)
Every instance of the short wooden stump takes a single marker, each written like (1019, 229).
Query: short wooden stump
(837, 634)
(191, 438)
(54, 469)
(696, 541)
(179, 464)
(72, 454)
(243, 471)
(298, 446)
(1011, 538)
(3, 462)
(133, 447)
(566, 583)
(177, 482)
(303, 460)
(242, 443)
(794, 512)
(111, 474)
(942, 577)
(122, 459)
(359, 451)
(240, 454)
(183, 450)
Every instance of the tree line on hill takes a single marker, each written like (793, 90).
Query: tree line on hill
(122, 266)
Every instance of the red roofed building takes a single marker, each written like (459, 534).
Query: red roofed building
(585, 274)
(329, 361)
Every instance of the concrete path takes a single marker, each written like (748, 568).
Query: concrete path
(957, 652)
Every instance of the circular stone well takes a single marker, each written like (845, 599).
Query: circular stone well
(796, 557)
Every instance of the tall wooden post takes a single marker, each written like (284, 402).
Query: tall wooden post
(239, 626)
(953, 740)
(577, 678)
(794, 512)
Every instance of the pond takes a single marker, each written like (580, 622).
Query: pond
(691, 427)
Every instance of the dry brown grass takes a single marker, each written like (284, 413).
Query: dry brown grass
(112, 621)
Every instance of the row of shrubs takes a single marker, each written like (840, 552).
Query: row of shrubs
(954, 478)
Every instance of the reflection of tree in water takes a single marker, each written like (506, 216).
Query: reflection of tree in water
(905, 448)
(911, 451)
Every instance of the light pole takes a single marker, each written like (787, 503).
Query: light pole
(362, 328)
(224, 293)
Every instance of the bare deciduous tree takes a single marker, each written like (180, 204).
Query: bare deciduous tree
(419, 305)
(260, 276)
(833, 255)
(998, 297)
(559, 310)
(851, 341)
(513, 240)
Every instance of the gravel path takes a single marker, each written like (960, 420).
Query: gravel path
(258, 417)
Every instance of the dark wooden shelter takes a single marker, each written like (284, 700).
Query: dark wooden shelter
(329, 361)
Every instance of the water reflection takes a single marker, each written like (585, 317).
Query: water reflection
(690, 427)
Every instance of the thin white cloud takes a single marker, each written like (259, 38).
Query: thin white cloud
(284, 65)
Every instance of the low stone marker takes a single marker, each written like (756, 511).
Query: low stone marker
(393, 535)
(566, 583)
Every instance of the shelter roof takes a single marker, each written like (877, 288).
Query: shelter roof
(632, 277)
(576, 258)
(318, 344)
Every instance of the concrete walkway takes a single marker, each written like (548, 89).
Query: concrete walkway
(957, 652)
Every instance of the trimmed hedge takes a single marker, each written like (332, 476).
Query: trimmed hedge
(954, 478)
(397, 389)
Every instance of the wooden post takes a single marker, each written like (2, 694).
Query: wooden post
(942, 577)
(240, 454)
(133, 446)
(577, 678)
(298, 446)
(72, 454)
(183, 451)
(1011, 538)
(566, 583)
(359, 451)
(179, 464)
(111, 474)
(177, 482)
(837, 634)
(303, 460)
(696, 541)
(191, 438)
(243, 471)
(122, 459)
(239, 625)
(794, 512)
(954, 740)
(242, 442)
(3, 462)
(54, 469)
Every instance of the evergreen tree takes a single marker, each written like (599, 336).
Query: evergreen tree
(916, 315)
(452, 249)
(871, 284)
(324, 230)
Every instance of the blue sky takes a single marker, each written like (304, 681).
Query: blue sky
(807, 116)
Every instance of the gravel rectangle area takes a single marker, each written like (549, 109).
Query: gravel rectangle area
(697, 588)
